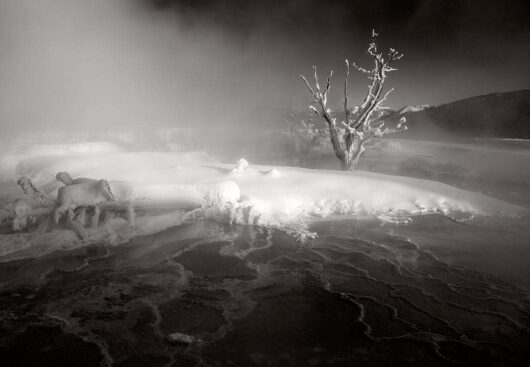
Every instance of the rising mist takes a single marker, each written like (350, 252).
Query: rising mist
(119, 65)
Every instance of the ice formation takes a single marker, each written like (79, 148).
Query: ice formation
(278, 197)
(241, 165)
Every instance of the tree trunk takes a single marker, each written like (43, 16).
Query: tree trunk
(354, 151)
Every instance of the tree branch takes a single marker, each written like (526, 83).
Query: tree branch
(346, 108)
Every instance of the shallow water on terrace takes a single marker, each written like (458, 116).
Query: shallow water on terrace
(433, 292)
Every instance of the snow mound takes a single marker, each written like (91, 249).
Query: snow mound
(211, 191)
(221, 195)
(273, 173)
(293, 192)
(241, 165)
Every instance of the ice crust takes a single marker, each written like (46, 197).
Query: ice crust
(191, 185)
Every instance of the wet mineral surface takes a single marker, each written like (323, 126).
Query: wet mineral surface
(204, 294)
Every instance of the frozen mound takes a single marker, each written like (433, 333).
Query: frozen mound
(222, 203)
(304, 192)
(273, 173)
(168, 188)
(181, 178)
(222, 194)
(241, 165)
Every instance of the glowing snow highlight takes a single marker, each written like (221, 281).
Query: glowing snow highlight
(191, 186)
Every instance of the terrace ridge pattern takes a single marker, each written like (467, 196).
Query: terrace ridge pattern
(253, 296)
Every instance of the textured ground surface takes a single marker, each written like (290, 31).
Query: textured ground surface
(431, 292)
(360, 293)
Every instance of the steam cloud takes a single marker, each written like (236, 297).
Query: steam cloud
(85, 65)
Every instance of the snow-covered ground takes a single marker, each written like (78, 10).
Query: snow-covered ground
(169, 187)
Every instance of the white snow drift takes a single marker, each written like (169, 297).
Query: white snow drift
(279, 197)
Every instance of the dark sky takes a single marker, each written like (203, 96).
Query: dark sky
(454, 48)
(81, 64)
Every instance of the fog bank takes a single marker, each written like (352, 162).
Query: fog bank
(81, 66)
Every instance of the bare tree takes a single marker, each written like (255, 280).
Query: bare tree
(361, 123)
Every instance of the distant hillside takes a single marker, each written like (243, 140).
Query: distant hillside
(498, 115)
